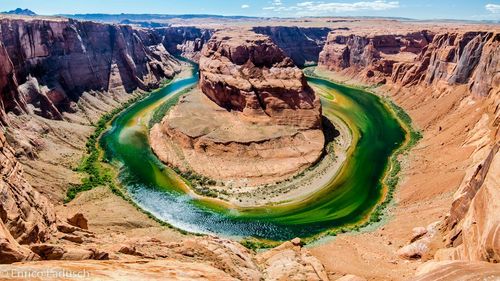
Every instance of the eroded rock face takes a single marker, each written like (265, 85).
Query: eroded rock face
(253, 121)
(68, 58)
(473, 226)
(26, 216)
(184, 40)
(203, 257)
(448, 65)
(247, 72)
(422, 58)
(290, 261)
(457, 270)
(165, 269)
(455, 58)
(10, 100)
(372, 54)
(301, 44)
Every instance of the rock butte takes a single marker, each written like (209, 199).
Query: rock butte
(254, 119)
(445, 76)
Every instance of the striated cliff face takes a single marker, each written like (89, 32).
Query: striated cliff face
(418, 59)
(26, 216)
(373, 53)
(49, 64)
(247, 72)
(449, 83)
(473, 225)
(301, 44)
(254, 119)
(470, 58)
(184, 41)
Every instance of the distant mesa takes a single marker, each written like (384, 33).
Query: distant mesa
(19, 11)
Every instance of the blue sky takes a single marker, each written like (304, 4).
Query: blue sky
(419, 9)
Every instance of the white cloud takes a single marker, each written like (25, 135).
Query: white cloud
(493, 8)
(245, 6)
(305, 4)
(276, 5)
(316, 8)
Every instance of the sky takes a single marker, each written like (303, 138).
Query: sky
(417, 9)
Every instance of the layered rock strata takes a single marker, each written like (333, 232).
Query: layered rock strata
(50, 63)
(247, 72)
(207, 258)
(473, 224)
(254, 119)
(418, 59)
(301, 44)
(374, 55)
(26, 216)
(184, 41)
(450, 84)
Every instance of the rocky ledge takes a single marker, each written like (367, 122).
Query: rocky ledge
(254, 119)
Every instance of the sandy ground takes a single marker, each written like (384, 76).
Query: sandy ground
(113, 219)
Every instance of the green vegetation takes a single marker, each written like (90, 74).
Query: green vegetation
(199, 183)
(391, 178)
(159, 113)
(98, 173)
(415, 135)
(297, 221)
(257, 244)
(95, 173)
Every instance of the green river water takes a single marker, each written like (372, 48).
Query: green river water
(348, 198)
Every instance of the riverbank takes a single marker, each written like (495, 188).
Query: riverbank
(428, 178)
(154, 187)
(290, 190)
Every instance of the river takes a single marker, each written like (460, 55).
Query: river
(348, 198)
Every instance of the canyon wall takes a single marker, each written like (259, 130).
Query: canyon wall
(184, 41)
(25, 215)
(418, 59)
(249, 73)
(374, 54)
(449, 82)
(301, 44)
(473, 225)
(49, 64)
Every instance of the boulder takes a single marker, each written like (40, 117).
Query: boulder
(78, 220)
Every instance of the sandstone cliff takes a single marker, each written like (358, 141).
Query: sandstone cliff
(26, 216)
(473, 225)
(184, 41)
(449, 84)
(247, 72)
(301, 44)
(373, 51)
(254, 120)
(50, 63)
(418, 59)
